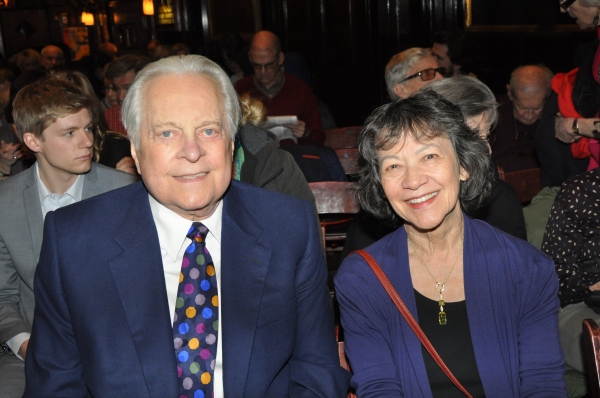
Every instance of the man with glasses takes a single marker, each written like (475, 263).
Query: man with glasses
(282, 94)
(119, 76)
(519, 114)
(409, 71)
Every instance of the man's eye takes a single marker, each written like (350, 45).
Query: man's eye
(209, 132)
(166, 134)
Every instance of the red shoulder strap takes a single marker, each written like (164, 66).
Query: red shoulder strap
(387, 285)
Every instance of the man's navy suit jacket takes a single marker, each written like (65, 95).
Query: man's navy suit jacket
(102, 323)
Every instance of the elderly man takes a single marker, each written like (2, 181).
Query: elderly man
(187, 284)
(513, 145)
(407, 72)
(282, 94)
(52, 56)
(55, 120)
(117, 80)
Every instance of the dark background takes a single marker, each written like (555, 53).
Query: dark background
(345, 42)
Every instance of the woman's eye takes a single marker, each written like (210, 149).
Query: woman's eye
(430, 156)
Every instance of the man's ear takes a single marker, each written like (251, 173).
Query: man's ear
(281, 58)
(508, 92)
(32, 142)
(400, 90)
(134, 155)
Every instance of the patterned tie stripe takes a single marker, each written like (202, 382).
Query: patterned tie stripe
(195, 323)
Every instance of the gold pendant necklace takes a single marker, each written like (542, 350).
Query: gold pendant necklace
(439, 286)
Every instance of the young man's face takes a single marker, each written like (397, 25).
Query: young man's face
(66, 146)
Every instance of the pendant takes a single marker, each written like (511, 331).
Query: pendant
(442, 318)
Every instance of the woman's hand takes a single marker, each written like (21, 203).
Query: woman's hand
(127, 164)
(563, 129)
(9, 154)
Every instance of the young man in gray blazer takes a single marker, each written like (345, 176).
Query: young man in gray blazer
(56, 120)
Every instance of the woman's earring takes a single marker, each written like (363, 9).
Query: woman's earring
(595, 21)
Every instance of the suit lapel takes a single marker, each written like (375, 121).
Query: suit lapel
(139, 277)
(89, 183)
(33, 211)
(244, 265)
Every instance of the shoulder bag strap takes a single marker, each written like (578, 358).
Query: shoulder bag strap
(387, 285)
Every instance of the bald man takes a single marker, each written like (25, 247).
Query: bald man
(519, 114)
(52, 56)
(281, 94)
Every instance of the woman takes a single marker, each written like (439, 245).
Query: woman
(571, 113)
(420, 162)
(502, 208)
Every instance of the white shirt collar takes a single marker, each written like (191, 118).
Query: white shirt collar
(172, 228)
(52, 201)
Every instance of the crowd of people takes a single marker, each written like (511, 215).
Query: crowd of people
(158, 236)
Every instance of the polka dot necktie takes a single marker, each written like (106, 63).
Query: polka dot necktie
(196, 319)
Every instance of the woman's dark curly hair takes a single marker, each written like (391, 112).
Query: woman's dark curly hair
(422, 116)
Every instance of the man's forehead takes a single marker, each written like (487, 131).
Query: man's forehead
(532, 99)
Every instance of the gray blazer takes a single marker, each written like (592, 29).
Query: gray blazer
(21, 231)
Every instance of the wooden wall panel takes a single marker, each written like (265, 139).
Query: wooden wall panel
(347, 43)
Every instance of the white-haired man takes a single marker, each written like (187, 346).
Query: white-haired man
(230, 275)
(409, 71)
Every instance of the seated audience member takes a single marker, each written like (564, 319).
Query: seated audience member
(570, 118)
(6, 79)
(110, 149)
(571, 239)
(453, 51)
(121, 73)
(536, 215)
(225, 283)
(52, 56)
(258, 160)
(30, 64)
(161, 51)
(55, 120)
(485, 299)
(513, 146)
(109, 49)
(231, 46)
(180, 49)
(501, 209)
(13, 154)
(282, 94)
(409, 71)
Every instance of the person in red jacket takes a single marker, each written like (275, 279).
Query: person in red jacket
(282, 94)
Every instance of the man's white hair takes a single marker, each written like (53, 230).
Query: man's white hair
(133, 111)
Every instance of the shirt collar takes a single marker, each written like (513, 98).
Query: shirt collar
(172, 228)
(75, 190)
(274, 89)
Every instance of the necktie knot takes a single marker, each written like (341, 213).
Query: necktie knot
(197, 232)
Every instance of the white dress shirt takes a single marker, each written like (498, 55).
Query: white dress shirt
(172, 230)
(53, 201)
(49, 202)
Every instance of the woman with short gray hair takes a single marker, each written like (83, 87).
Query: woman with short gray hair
(486, 301)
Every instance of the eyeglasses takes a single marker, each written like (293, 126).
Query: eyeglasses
(565, 4)
(270, 66)
(427, 74)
